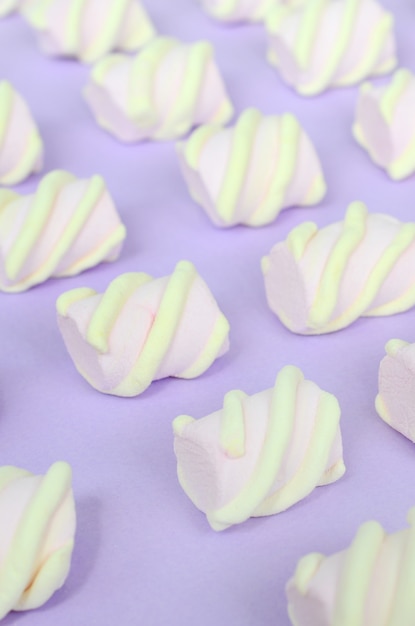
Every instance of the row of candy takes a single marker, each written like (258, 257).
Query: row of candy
(248, 173)
(257, 456)
(302, 42)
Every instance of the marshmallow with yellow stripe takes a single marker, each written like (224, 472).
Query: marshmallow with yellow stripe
(67, 226)
(384, 124)
(371, 583)
(38, 519)
(321, 44)
(21, 146)
(161, 93)
(260, 454)
(321, 280)
(143, 329)
(250, 172)
(88, 30)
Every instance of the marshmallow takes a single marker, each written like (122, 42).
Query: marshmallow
(369, 584)
(260, 454)
(383, 124)
(395, 402)
(66, 227)
(37, 535)
(330, 43)
(88, 29)
(318, 281)
(247, 174)
(21, 147)
(161, 93)
(143, 329)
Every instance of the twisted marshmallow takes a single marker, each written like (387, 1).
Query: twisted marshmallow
(249, 173)
(89, 29)
(260, 454)
(37, 535)
(143, 329)
(162, 93)
(384, 124)
(319, 281)
(369, 584)
(330, 43)
(21, 147)
(66, 227)
(395, 402)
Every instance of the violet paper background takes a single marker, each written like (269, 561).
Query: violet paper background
(144, 554)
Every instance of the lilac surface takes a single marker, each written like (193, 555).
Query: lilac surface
(144, 555)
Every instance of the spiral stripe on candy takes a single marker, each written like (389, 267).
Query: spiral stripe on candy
(319, 281)
(251, 458)
(38, 526)
(343, 589)
(270, 164)
(21, 147)
(384, 124)
(161, 93)
(87, 29)
(66, 227)
(143, 329)
(319, 44)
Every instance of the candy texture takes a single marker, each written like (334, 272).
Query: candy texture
(143, 329)
(66, 227)
(21, 147)
(330, 43)
(37, 535)
(385, 125)
(88, 29)
(369, 584)
(247, 174)
(161, 93)
(318, 281)
(395, 402)
(260, 454)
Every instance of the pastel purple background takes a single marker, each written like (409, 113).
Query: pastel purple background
(144, 555)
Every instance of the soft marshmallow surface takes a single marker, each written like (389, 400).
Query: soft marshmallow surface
(161, 93)
(21, 147)
(319, 281)
(260, 454)
(369, 584)
(385, 124)
(330, 43)
(38, 521)
(249, 173)
(88, 29)
(67, 226)
(143, 329)
(395, 402)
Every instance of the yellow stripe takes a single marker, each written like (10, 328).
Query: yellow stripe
(232, 428)
(110, 307)
(162, 331)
